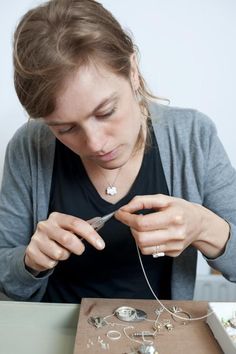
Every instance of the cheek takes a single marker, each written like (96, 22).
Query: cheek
(134, 123)
(130, 120)
(72, 142)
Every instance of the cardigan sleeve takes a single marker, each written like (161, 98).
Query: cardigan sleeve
(220, 197)
(198, 170)
(16, 223)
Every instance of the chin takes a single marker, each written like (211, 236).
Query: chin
(114, 164)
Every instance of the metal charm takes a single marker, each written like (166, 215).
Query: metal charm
(111, 190)
(97, 322)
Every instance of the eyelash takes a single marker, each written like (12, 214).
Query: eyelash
(69, 130)
(108, 114)
(103, 116)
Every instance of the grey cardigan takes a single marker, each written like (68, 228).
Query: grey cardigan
(196, 168)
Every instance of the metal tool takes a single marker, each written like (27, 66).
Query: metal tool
(99, 221)
(143, 334)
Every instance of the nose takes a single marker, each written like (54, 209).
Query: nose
(94, 138)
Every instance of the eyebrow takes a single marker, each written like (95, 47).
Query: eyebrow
(106, 100)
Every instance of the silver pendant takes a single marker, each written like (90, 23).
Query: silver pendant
(111, 190)
(130, 314)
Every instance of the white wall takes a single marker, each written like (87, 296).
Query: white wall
(11, 113)
(187, 55)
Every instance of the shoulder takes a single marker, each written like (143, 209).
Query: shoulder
(33, 133)
(181, 125)
(179, 118)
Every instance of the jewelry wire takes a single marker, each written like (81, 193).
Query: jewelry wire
(160, 303)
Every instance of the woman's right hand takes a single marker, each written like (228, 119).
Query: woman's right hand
(56, 238)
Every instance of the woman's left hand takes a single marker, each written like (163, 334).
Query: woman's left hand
(173, 225)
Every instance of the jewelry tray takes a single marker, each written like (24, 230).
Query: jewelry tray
(221, 310)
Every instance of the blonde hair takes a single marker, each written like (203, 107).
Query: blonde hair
(54, 39)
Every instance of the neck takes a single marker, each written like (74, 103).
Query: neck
(122, 177)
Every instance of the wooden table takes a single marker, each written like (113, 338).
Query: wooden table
(194, 337)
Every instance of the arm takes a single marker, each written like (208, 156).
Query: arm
(16, 225)
(178, 223)
(173, 225)
(27, 250)
(220, 198)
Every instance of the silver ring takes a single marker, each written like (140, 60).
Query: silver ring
(113, 335)
(157, 252)
(178, 313)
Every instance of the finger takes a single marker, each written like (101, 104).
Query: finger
(47, 232)
(87, 232)
(66, 234)
(83, 229)
(69, 241)
(167, 248)
(38, 261)
(156, 201)
(150, 238)
(148, 222)
(161, 248)
(55, 251)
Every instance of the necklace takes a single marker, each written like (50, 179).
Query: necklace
(111, 189)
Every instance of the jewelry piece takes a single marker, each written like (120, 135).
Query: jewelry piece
(111, 189)
(157, 254)
(168, 325)
(125, 313)
(143, 334)
(158, 311)
(147, 349)
(97, 322)
(114, 335)
(177, 310)
(225, 323)
(157, 327)
(130, 314)
(103, 345)
(232, 322)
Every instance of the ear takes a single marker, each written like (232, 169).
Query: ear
(134, 72)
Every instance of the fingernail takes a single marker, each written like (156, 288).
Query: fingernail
(100, 244)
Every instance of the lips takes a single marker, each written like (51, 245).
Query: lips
(111, 155)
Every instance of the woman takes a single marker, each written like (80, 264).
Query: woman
(97, 144)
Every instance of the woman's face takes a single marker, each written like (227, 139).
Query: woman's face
(97, 116)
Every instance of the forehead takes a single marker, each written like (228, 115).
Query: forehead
(87, 87)
(89, 83)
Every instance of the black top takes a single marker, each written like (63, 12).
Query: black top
(114, 272)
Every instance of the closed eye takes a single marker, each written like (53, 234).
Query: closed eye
(107, 114)
(66, 130)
